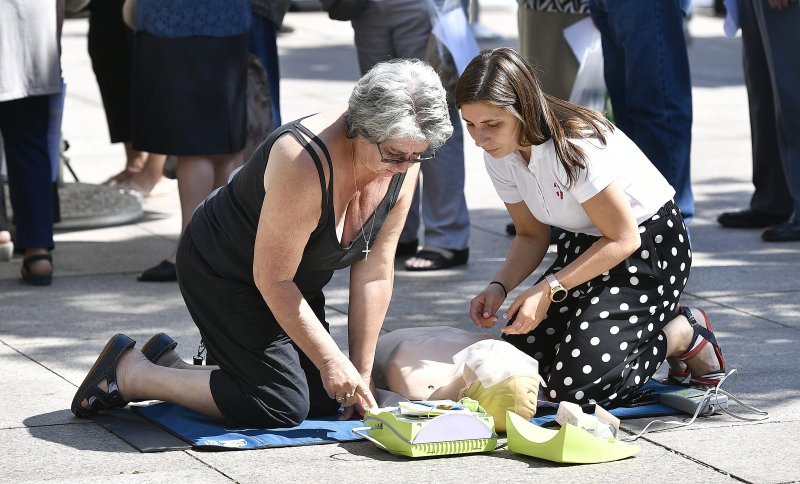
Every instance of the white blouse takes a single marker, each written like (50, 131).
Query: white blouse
(542, 182)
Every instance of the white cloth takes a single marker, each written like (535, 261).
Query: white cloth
(542, 183)
(492, 361)
(29, 61)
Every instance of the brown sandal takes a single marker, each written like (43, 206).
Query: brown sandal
(703, 335)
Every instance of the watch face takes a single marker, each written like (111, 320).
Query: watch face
(558, 294)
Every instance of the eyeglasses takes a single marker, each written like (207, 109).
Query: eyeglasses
(426, 155)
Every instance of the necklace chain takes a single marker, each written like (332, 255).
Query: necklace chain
(367, 240)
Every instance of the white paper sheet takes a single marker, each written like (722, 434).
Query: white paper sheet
(453, 31)
(580, 35)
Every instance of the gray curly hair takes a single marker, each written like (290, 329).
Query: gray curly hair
(400, 98)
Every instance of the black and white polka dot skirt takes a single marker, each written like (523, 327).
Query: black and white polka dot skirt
(605, 339)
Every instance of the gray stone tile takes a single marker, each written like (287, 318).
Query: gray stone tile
(32, 394)
(71, 453)
(753, 453)
(344, 461)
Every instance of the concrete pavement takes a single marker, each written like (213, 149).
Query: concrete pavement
(50, 336)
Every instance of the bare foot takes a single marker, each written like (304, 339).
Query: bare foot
(128, 366)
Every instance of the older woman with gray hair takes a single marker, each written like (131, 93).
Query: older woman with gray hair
(322, 193)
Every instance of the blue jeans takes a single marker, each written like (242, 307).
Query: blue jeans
(264, 44)
(647, 76)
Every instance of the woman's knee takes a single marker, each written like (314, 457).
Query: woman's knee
(288, 412)
(572, 385)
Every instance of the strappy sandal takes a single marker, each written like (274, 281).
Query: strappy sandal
(703, 335)
(678, 377)
(36, 279)
(104, 368)
(157, 346)
(440, 261)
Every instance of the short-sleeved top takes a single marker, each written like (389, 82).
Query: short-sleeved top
(29, 61)
(542, 183)
(187, 18)
(224, 226)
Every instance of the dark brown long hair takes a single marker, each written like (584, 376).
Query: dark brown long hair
(501, 77)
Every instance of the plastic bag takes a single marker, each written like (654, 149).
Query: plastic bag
(589, 89)
(450, 26)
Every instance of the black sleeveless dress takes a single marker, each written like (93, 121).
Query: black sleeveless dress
(264, 379)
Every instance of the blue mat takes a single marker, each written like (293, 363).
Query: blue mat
(209, 434)
(622, 413)
(206, 433)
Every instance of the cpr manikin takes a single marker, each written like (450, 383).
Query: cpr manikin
(441, 362)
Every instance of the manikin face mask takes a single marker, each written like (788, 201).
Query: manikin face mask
(501, 378)
(515, 393)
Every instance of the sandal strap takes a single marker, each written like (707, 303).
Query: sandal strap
(112, 398)
(157, 346)
(36, 258)
(702, 335)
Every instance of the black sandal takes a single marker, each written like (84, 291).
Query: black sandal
(104, 368)
(157, 346)
(439, 260)
(34, 279)
(405, 249)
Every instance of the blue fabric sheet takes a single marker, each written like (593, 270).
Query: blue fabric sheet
(622, 413)
(210, 434)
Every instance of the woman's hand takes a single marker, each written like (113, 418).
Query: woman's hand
(361, 405)
(530, 308)
(483, 308)
(343, 383)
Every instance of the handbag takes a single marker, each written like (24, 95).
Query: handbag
(343, 9)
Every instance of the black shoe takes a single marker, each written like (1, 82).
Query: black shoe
(163, 272)
(406, 248)
(749, 219)
(785, 232)
(439, 260)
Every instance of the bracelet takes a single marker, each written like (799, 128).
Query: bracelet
(505, 291)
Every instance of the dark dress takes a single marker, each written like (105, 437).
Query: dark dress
(264, 379)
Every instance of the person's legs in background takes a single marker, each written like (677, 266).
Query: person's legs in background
(542, 43)
(647, 76)
(110, 49)
(444, 207)
(780, 36)
(771, 202)
(383, 31)
(24, 125)
(6, 245)
(263, 43)
(180, 114)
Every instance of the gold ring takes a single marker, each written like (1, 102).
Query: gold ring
(340, 399)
